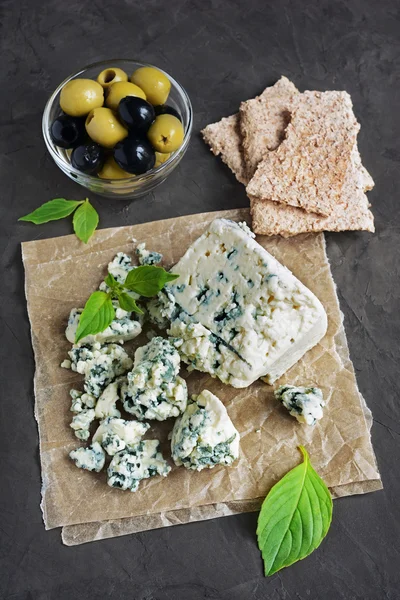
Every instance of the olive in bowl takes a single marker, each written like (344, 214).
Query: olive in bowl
(110, 76)
(88, 158)
(79, 96)
(166, 134)
(110, 170)
(154, 83)
(137, 114)
(134, 155)
(68, 132)
(104, 128)
(161, 158)
(165, 109)
(120, 90)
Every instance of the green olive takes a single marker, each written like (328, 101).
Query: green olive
(161, 158)
(166, 134)
(79, 96)
(111, 170)
(120, 90)
(109, 76)
(154, 83)
(104, 128)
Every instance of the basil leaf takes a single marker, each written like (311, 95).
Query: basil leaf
(294, 518)
(148, 281)
(111, 282)
(96, 316)
(128, 303)
(85, 221)
(52, 211)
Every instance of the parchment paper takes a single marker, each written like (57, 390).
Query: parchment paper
(62, 272)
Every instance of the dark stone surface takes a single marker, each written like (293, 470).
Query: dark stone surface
(223, 53)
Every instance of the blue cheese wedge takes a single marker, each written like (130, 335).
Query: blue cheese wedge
(146, 257)
(91, 458)
(204, 351)
(138, 462)
(240, 293)
(204, 436)
(81, 423)
(100, 365)
(305, 404)
(153, 389)
(122, 329)
(116, 434)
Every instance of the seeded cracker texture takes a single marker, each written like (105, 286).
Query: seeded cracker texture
(224, 139)
(263, 121)
(273, 218)
(350, 214)
(309, 167)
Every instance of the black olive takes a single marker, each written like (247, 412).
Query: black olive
(88, 158)
(67, 132)
(165, 109)
(136, 113)
(134, 155)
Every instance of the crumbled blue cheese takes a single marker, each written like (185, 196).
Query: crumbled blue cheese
(81, 423)
(91, 458)
(305, 404)
(133, 464)
(100, 365)
(120, 266)
(106, 404)
(204, 436)
(153, 389)
(81, 401)
(237, 290)
(117, 434)
(146, 257)
(122, 329)
(162, 309)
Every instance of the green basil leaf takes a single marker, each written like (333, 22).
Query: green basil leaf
(85, 221)
(148, 281)
(111, 281)
(96, 316)
(52, 211)
(128, 303)
(294, 518)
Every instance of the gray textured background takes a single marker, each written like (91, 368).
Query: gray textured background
(222, 52)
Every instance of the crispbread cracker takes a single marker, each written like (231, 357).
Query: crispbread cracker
(263, 121)
(224, 139)
(309, 167)
(272, 218)
(351, 213)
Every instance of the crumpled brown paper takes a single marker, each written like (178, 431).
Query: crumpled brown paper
(62, 272)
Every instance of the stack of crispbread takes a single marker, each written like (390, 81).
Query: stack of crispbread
(298, 156)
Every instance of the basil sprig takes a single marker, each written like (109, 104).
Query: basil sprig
(99, 311)
(85, 219)
(294, 518)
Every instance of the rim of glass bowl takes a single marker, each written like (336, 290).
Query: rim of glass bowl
(164, 167)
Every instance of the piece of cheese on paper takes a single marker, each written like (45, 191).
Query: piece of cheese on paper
(251, 304)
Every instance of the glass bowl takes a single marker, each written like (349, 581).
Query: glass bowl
(134, 186)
